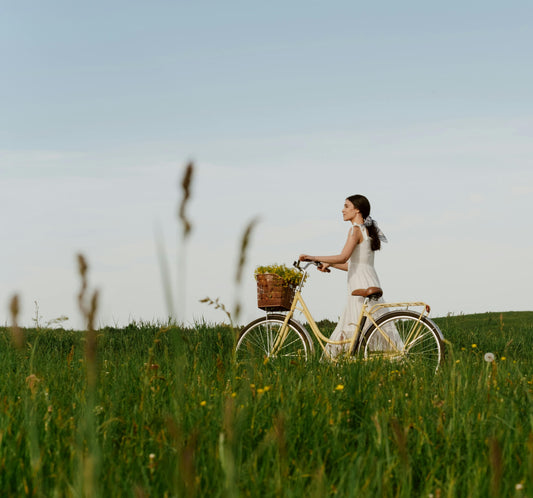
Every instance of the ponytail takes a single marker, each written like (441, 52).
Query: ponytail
(375, 242)
(376, 235)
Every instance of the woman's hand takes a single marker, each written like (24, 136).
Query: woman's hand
(304, 257)
(324, 267)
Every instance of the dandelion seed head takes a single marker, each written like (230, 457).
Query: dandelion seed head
(489, 357)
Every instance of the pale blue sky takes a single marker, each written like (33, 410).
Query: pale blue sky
(286, 108)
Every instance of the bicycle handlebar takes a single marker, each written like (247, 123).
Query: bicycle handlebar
(309, 262)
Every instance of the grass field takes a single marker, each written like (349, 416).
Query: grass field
(170, 414)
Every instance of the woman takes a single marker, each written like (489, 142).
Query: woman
(357, 258)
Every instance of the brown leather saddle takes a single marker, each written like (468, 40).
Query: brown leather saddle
(371, 292)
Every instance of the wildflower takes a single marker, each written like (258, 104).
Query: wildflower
(503, 358)
(233, 394)
(457, 361)
(339, 387)
(260, 391)
(267, 388)
(489, 357)
(519, 486)
(152, 463)
(474, 345)
(203, 403)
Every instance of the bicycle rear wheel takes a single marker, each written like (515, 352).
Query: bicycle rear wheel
(258, 339)
(421, 340)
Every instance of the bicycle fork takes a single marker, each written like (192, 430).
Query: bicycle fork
(280, 336)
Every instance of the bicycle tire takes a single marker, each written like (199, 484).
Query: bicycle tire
(423, 342)
(257, 339)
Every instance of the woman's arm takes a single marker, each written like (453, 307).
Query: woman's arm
(340, 266)
(339, 260)
(325, 267)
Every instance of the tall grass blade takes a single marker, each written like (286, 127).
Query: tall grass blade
(165, 272)
(17, 334)
(87, 445)
(243, 250)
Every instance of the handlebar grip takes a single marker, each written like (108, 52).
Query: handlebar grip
(318, 264)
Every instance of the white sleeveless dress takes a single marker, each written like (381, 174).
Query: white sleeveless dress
(361, 275)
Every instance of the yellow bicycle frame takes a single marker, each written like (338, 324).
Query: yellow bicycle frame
(298, 304)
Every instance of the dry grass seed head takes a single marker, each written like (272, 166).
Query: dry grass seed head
(186, 189)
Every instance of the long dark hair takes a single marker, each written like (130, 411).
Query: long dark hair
(361, 202)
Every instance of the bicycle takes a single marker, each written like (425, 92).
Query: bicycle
(281, 335)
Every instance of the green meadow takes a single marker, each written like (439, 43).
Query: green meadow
(151, 410)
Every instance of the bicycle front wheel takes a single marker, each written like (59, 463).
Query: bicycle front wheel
(261, 339)
(405, 336)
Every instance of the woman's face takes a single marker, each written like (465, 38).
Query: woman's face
(349, 211)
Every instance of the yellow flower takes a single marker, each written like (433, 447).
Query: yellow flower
(503, 358)
(203, 403)
(233, 395)
(260, 391)
(340, 387)
(474, 345)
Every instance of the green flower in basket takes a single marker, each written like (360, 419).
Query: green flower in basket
(275, 286)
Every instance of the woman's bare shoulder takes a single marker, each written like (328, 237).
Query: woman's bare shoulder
(355, 232)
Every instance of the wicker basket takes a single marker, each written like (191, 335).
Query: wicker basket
(272, 295)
